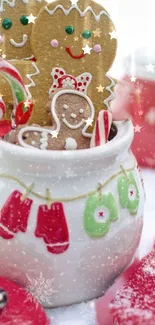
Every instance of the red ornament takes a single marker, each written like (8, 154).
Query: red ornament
(23, 112)
(52, 227)
(5, 128)
(14, 215)
(21, 307)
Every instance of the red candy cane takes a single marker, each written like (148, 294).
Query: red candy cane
(2, 108)
(102, 129)
(22, 106)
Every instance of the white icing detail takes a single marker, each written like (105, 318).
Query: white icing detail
(26, 59)
(82, 13)
(33, 143)
(12, 3)
(84, 77)
(63, 115)
(71, 144)
(57, 121)
(112, 94)
(44, 140)
(73, 127)
(65, 106)
(32, 83)
(22, 44)
(73, 115)
(81, 111)
(69, 81)
(7, 230)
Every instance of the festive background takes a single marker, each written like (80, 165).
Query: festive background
(134, 68)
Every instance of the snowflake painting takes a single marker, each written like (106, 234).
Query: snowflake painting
(41, 288)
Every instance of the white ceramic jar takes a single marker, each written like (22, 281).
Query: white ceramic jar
(70, 221)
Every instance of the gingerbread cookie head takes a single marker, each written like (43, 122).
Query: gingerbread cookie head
(72, 109)
(17, 18)
(74, 36)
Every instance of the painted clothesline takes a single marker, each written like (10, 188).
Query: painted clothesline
(49, 199)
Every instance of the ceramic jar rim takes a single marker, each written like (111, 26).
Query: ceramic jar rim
(121, 142)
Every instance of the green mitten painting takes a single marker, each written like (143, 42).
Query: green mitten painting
(128, 193)
(100, 211)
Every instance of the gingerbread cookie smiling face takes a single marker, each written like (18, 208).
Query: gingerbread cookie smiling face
(72, 113)
(74, 36)
(17, 18)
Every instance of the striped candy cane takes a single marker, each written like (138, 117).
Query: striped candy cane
(2, 108)
(22, 106)
(102, 129)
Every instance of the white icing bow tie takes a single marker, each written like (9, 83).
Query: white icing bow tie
(66, 81)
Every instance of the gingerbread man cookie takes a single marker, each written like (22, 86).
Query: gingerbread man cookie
(72, 113)
(74, 36)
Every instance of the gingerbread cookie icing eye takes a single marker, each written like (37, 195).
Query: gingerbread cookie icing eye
(86, 34)
(70, 30)
(24, 20)
(7, 23)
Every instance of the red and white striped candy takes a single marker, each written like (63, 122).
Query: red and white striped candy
(102, 129)
(2, 108)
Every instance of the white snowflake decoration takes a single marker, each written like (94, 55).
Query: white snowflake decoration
(41, 288)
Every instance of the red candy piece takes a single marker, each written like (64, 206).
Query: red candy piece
(52, 227)
(21, 307)
(14, 215)
(5, 127)
(23, 112)
(135, 302)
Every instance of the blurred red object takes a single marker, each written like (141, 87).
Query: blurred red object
(21, 307)
(134, 303)
(135, 99)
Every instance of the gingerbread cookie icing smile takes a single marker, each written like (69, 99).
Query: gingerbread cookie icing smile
(68, 50)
